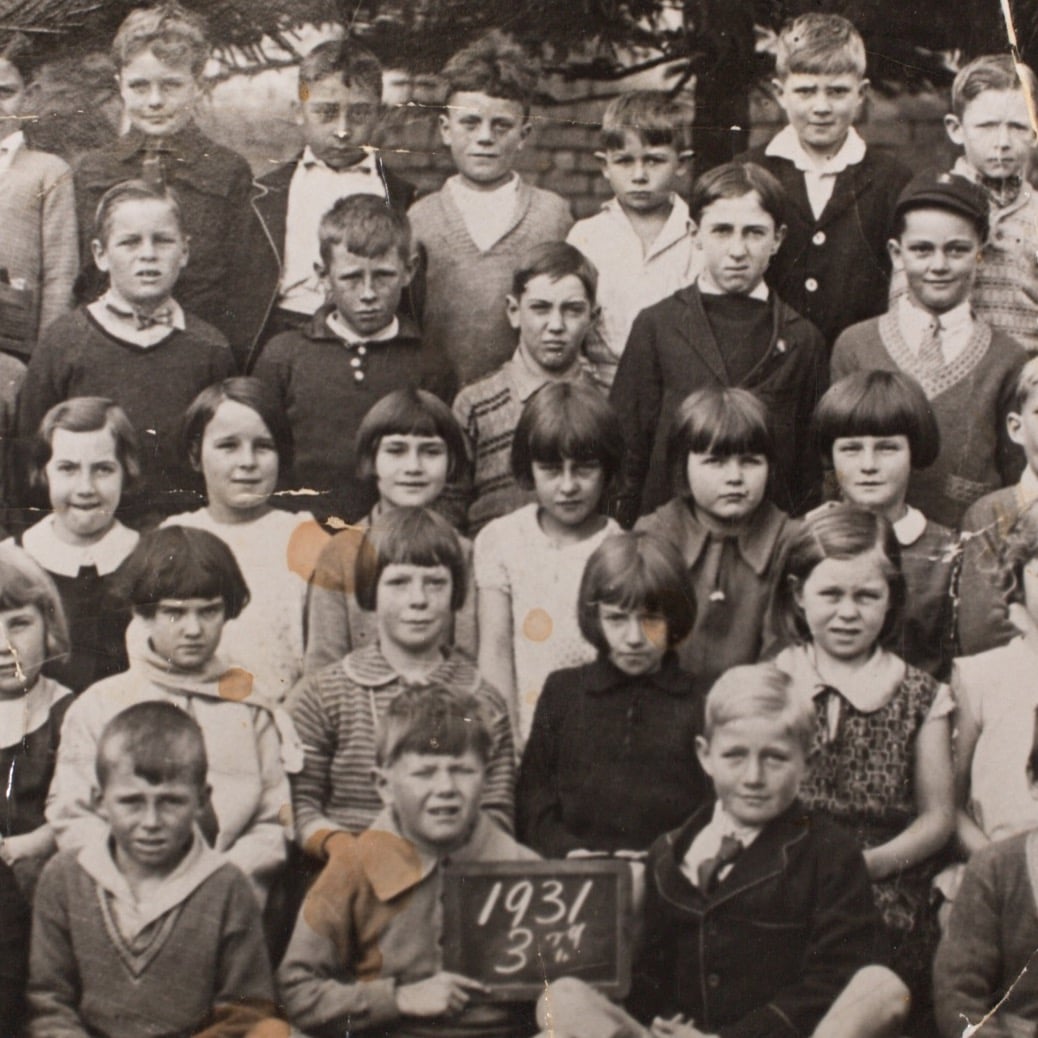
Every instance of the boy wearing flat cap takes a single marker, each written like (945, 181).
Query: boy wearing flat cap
(966, 368)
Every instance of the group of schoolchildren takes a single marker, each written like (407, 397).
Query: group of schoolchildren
(257, 687)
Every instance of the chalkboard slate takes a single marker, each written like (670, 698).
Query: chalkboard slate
(516, 925)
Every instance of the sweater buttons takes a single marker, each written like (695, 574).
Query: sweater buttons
(819, 238)
(811, 284)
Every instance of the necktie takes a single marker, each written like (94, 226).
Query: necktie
(1003, 190)
(709, 871)
(931, 355)
(152, 170)
(143, 321)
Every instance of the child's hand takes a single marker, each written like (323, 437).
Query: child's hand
(676, 1027)
(439, 994)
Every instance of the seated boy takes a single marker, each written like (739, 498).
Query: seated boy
(551, 306)
(146, 929)
(366, 949)
(642, 242)
(355, 350)
(833, 266)
(338, 111)
(474, 229)
(967, 369)
(757, 913)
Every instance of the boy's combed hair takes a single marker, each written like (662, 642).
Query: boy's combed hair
(734, 180)
(131, 191)
(173, 33)
(991, 72)
(878, 403)
(1018, 551)
(494, 65)
(409, 412)
(161, 741)
(637, 572)
(432, 720)
(24, 583)
(839, 531)
(80, 414)
(659, 120)
(1025, 385)
(366, 226)
(178, 562)
(566, 420)
(409, 537)
(820, 45)
(249, 392)
(346, 60)
(759, 690)
(555, 260)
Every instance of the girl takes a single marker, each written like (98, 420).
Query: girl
(880, 760)
(567, 449)
(732, 539)
(237, 436)
(86, 458)
(410, 574)
(410, 445)
(872, 429)
(600, 728)
(32, 707)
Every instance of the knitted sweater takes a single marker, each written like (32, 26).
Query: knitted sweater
(464, 308)
(969, 397)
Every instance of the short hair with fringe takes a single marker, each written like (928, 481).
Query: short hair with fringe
(366, 226)
(1025, 385)
(658, 120)
(434, 721)
(641, 573)
(344, 60)
(408, 537)
(172, 33)
(567, 420)
(817, 44)
(162, 742)
(555, 260)
(991, 72)
(24, 583)
(410, 412)
(131, 191)
(82, 414)
(838, 531)
(177, 562)
(877, 403)
(734, 180)
(759, 690)
(494, 65)
(1018, 550)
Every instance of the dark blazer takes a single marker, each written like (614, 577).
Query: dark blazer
(767, 953)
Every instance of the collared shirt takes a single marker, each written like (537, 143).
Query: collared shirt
(707, 842)
(956, 327)
(708, 287)
(487, 214)
(338, 327)
(9, 147)
(1028, 485)
(50, 551)
(104, 311)
(819, 174)
(910, 527)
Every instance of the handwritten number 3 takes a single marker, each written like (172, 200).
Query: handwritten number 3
(551, 894)
(522, 938)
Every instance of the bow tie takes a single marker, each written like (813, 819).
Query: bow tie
(1004, 190)
(142, 321)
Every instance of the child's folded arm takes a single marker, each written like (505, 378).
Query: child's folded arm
(311, 787)
(60, 248)
(327, 607)
(498, 798)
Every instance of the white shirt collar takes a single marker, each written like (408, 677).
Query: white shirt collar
(363, 167)
(708, 287)
(786, 145)
(53, 554)
(9, 147)
(868, 689)
(909, 528)
(913, 316)
(343, 331)
(474, 195)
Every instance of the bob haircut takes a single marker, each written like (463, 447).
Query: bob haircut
(365, 226)
(494, 65)
(877, 403)
(733, 180)
(131, 191)
(409, 537)
(249, 392)
(759, 690)
(555, 259)
(1018, 550)
(818, 44)
(23, 583)
(171, 32)
(178, 562)
(346, 60)
(1025, 385)
(654, 116)
(991, 72)
(161, 741)
(638, 572)
(716, 420)
(80, 414)
(432, 721)
(409, 412)
(566, 420)
(839, 531)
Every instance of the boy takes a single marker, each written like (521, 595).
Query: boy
(757, 913)
(355, 349)
(366, 949)
(966, 368)
(146, 929)
(728, 329)
(474, 229)
(135, 345)
(642, 241)
(833, 266)
(552, 307)
(160, 55)
(338, 111)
